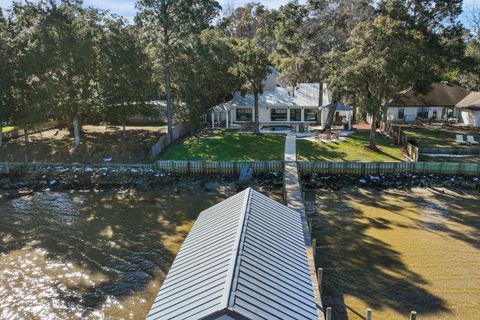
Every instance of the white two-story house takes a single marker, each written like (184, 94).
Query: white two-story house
(278, 106)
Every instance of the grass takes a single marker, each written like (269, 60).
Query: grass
(229, 146)
(353, 148)
(8, 129)
(436, 138)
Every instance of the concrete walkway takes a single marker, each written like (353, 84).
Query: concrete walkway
(293, 197)
(291, 147)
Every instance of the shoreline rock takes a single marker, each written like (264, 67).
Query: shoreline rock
(389, 181)
(25, 181)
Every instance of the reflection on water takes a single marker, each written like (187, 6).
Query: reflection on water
(92, 255)
(396, 251)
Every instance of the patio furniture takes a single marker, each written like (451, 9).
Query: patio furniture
(460, 139)
(471, 140)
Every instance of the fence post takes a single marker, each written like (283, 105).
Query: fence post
(413, 315)
(329, 313)
(314, 247)
(369, 314)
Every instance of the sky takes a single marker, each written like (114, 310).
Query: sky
(126, 8)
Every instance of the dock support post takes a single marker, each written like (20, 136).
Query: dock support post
(314, 247)
(369, 314)
(319, 279)
(329, 313)
(413, 315)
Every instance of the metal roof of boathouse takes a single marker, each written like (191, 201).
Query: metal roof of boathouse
(244, 258)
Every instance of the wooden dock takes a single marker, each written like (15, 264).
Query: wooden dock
(294, 200)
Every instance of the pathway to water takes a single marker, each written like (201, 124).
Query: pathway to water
(293, 197)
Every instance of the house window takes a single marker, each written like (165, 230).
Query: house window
(295, 114)
(278, 114)
(422, 112)
(310, 114)
(244, 114)
(401, 113)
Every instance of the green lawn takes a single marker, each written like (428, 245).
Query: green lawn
(436, 138)
(8, 129)
(353, 148)
(229, 146)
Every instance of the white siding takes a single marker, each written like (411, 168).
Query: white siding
(432, 110)
(410, 113)
(471, 118)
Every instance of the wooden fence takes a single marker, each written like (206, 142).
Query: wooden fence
(374, 168)
(414, 152)
(217, 167)
(164, 141)
(18, 132)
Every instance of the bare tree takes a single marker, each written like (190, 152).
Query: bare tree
(474, 18)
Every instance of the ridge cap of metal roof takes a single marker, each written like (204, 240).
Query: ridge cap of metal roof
(234, 262)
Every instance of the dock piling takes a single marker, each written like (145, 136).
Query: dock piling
(319, 279)
(369, 314)
(329, 313)
(413, 315)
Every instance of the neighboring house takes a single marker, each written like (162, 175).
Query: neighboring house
(277, 106)
(438, 104)
(469, 109)
(155, 112)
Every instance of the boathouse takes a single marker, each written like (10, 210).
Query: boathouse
(245, 258)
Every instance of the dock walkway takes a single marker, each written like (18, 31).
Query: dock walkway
(293, 197)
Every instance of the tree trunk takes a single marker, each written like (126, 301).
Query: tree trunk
(385, 114)
(320, 94)
(373, 133)
(168, 92)
(76, 130)
(124, 131)
(331, 115)
(257, 123)
(25, 133)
